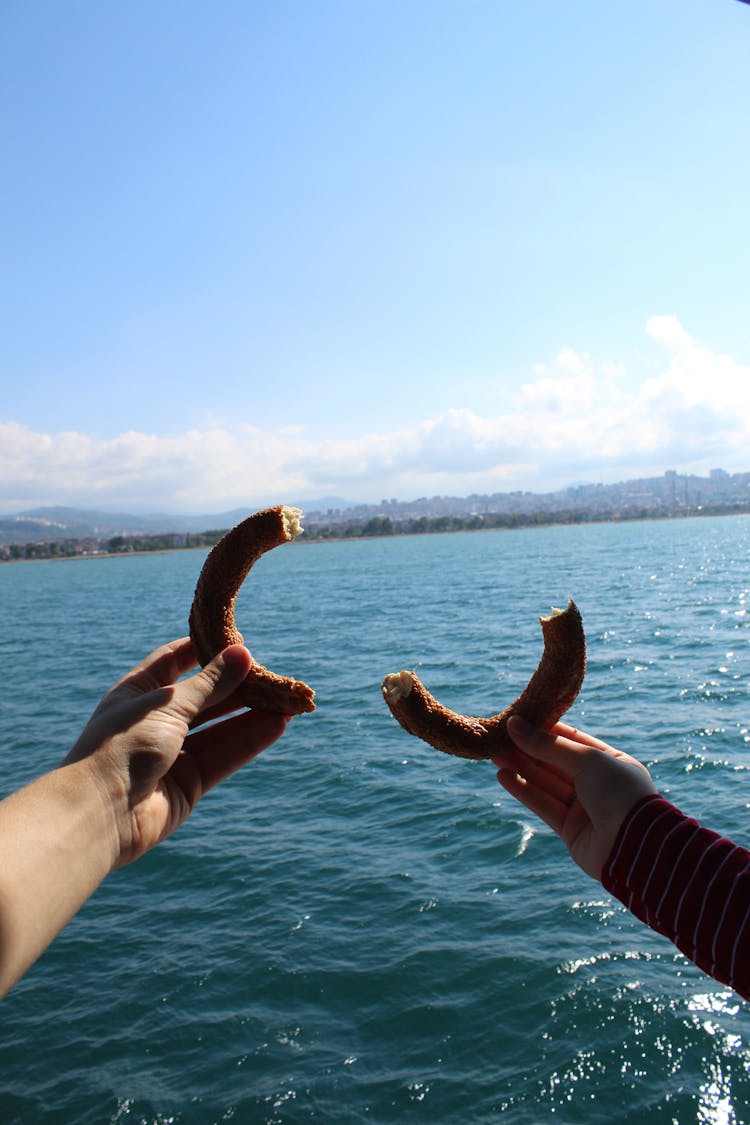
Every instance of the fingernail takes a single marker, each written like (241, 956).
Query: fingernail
(233, 658)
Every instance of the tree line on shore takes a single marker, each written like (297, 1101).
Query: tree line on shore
(93, 546)
(375, 527)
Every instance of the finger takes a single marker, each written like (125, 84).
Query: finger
(576, 735)
(548, 808)
(541, 775)
(161, 667)
(519, 761)
(229, 705)
(564, 754)
(220, 750)
(213, 684)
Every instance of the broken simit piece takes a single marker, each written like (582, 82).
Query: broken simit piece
(547, 696)
(212, 624)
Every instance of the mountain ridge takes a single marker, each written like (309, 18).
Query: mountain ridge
(53, 522)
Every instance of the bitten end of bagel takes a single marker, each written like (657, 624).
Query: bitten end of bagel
(555, 611)
(397, 686)
(291, 519)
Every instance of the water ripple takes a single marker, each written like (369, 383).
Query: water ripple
(356, 927)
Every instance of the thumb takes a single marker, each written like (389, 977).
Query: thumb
(214, 683)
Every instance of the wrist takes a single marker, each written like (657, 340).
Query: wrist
(93, 796)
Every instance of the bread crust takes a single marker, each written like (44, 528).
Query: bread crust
(212, 623)
(549, 693)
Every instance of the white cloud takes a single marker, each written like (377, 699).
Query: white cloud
(696, 377)
(574, 419)
(667, 330)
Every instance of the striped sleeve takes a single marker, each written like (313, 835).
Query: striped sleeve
(688, 883)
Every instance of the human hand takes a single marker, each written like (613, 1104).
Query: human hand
(581, 787)
(141, 751)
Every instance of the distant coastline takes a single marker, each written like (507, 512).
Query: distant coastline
(377, 527)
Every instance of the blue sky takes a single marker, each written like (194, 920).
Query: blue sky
(261, 252)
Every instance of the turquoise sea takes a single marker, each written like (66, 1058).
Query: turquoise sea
(357, 928)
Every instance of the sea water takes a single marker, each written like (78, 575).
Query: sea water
(356, 927)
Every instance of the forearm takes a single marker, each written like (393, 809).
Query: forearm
(688, 883)
(56, 846)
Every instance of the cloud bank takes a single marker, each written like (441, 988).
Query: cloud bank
(573, 420)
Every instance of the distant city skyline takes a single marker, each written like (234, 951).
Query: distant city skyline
(70, 532)
(257, 251)
(669, 493)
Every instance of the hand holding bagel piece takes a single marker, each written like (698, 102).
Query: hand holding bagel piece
(549, 693)
(212, 624)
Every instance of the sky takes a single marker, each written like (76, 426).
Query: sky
(261, 252)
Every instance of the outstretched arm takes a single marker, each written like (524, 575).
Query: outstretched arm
(133, 776)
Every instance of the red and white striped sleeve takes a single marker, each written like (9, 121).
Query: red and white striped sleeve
(688, 883)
